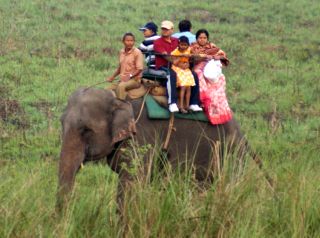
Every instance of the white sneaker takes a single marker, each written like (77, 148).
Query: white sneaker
(173, 107)
(195, 108)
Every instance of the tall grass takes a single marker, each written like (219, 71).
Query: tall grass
(50, 48)
(172, 205)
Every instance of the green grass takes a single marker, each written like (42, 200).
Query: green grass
(50, 48)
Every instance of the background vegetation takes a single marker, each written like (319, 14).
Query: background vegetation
(50, 48)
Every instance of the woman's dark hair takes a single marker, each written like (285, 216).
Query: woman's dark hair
(184, 39)
(199, 32)
(128, 34)
(184, 25)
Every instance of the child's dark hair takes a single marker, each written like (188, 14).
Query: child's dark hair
(128, 34)
(184, 39)
(199, 32)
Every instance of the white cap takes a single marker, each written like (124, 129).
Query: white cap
(167, 25)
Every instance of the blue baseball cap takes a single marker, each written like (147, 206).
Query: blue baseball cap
(151, 26)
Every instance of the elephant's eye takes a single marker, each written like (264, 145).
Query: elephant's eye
(86, 131)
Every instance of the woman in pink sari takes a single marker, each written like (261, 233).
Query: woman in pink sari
(212, 94)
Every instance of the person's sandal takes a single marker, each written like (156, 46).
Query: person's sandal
(183, 111)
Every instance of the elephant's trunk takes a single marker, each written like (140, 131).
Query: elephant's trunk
(71, 157)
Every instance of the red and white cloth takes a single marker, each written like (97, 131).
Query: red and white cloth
(213, 97)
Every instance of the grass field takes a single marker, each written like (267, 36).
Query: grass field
(50, 48)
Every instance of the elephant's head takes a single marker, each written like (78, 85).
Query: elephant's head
(99, 120)
(93, 122)
(123, 124)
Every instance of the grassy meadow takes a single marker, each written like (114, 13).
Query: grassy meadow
(50, 48)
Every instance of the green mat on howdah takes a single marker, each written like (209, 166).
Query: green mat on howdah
(155, 111)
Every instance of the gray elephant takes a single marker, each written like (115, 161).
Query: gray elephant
(97, 125)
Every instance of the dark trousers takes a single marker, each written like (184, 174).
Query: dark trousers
(172, 87)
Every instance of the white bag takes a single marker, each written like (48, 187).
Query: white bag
(213, 70)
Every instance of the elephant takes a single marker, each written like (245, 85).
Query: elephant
(97, 125)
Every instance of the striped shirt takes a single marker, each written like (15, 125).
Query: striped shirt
(147, 47)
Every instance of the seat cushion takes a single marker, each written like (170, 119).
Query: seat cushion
(155, 111)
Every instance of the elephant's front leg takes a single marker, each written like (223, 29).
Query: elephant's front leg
(71, 157)
(120, 162)
(131, 166)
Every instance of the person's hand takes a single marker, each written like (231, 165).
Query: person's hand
(110, 79)
(210, 57)
(175, 61)
(179, 64)
(126, 77)
(216, 57)
(185, 65)
(212, 51)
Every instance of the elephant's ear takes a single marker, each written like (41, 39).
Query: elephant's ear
(123, 124)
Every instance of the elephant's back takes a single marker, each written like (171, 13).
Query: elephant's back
(190, 141)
